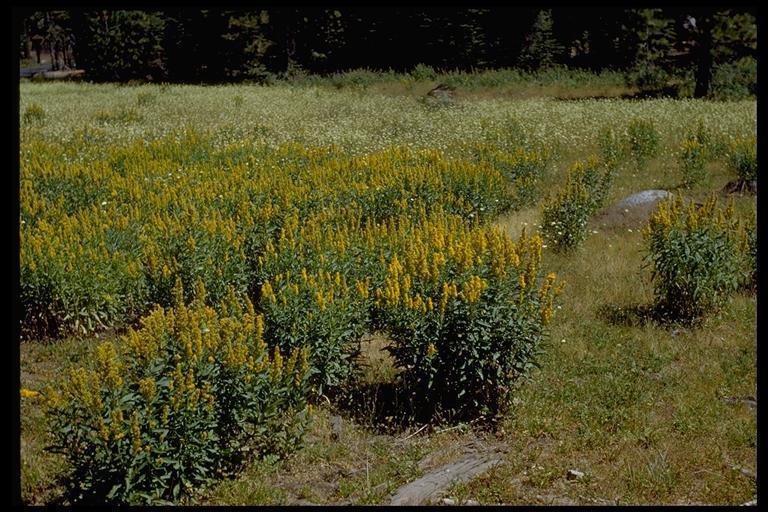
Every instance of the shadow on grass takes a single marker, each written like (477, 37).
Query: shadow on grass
(392, 408)
(385, 407)
(638, 315)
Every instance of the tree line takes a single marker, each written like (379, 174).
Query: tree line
(210, 45)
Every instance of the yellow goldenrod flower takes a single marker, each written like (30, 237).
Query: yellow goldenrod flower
(28, 393)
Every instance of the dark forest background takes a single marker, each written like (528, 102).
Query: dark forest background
(654, 47)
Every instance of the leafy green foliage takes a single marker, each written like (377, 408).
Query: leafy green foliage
(541, 50)
(735, 80)
(564, 217)
(749, 252)
(613, 149)
(34, 113)
(742, 158)
(695, 256)
(643, 141)
(194, 394)
(465, 325)
(120, 45)
(692, 160)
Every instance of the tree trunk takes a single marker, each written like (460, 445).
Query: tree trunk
(704, 58)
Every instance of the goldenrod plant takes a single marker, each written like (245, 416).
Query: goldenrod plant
(694, 251)
(187, 398)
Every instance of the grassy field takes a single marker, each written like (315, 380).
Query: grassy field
(650, 413)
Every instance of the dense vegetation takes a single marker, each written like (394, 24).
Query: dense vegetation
(245, 240)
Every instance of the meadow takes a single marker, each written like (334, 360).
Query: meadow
(213, 277)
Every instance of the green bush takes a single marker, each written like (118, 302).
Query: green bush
(34, 113)
(145, 98)
(695, 256)
(317, 310)
(749, 252)
(643, 141)
(194, 393)
(423, 72)
(692, 160)
(735, 80)
(123, 116)
(714, 146)
(564, 217)
(612, 148)
(466, 323)
(742, 158)
(523, 169)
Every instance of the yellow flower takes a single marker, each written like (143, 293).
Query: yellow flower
(28, 393)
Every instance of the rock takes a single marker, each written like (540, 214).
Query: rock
(632, 211)
(574, 475)
(437, 481)
(448, 501)
(749, 401)
(441, 96)
(443, 92)
(336, 423)
(472, 503)
(744, 471)
(644, 197)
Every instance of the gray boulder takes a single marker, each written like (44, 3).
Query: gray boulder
(631, 212)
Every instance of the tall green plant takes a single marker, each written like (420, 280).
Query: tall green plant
(542, 49)
(194, 392)
(643, 141)
(692, 160)
(695, 256)
(564, 217)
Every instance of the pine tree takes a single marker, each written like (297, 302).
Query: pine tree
(542, 50)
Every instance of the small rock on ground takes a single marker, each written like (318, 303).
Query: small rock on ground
(574, 474)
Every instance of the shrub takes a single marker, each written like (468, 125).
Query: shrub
(145, 98)
(735, 80)
(317, 310)
(423, 72)
(523, 169)
(742, 158)
(195, 391)
(695, 256)
(71, 282)
(643, 141)
(749, 252)
(123, 116)
(692, 160)
(714, 146)
(466, 309)
(564, 217)
(34, 113)
(611, 146)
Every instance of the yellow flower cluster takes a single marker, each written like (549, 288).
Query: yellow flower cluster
(444, 246)
(144, 211)
(675, 213)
